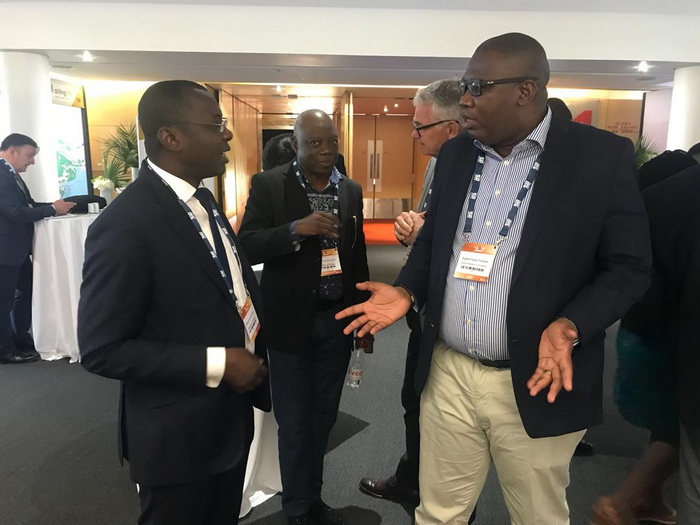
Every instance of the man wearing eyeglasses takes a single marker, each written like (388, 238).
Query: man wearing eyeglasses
(536, 240)
(171, 308)
(436, 119)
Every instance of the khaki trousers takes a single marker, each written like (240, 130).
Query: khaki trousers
(469, 418)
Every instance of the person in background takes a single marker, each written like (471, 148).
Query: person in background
(170, 307)
(436, 119)
(277, 151)
(304, 220)
(518, 286)
(694, 152)
(644, 387)
(18, 213)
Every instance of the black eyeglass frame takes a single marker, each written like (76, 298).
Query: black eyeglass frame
(418, 129)
(475, 85)
(221, 125)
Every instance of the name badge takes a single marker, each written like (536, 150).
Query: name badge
(330, 262)
(250, 319)
(475, 261)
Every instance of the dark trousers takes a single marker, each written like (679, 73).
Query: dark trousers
(306, 389)
(211, 500)
(407, 470)
(15, 306)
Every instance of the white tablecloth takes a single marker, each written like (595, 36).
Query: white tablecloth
(59, 251)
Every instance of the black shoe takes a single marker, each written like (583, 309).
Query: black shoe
(322, 514)
(17, 358)
(29, 351)
(389, 489)
(304, 519)
(584, 448)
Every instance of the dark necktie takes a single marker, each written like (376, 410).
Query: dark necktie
(205, 197)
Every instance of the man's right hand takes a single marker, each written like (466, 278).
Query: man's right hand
(244, 371)
(318, 223)
(403, 226)
(387, 305)
(62, 207)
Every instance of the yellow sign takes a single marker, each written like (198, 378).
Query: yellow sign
(67, 94)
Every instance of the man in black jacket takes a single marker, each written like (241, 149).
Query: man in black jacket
(18, 213)
(536, 240)
(171, 308)
(304, 221)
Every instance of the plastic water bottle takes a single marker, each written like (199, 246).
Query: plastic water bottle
(355, 370)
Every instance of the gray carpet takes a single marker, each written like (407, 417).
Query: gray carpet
(58, 459)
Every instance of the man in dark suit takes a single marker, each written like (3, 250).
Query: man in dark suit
(168, 306)
(304, 221)
(535, 241)
(673, 305)
(18, 213)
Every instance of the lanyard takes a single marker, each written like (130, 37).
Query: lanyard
(476, 183)
(16, 177)
(428, 196)
(219, 221)
(335, 177)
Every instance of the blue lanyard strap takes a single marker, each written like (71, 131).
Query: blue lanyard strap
(474, 193)
(335, 177)
(219, 221)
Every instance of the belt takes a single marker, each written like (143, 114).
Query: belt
(326, 304)
(502, 363)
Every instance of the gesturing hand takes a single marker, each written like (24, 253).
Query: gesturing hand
(318, 223)
(554, 367)
(244, 371)
(387, 305)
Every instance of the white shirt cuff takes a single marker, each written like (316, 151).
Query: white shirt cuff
(216, 365)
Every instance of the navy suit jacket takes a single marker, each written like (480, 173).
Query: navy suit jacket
(584, 254)
(17, 219)
(151, 301)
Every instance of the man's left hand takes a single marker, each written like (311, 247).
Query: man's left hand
(554, 367)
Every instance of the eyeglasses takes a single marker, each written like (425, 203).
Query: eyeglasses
(418, 129)
(221, 125)
(475, 85)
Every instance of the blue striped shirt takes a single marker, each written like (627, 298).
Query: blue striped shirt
(474, 313)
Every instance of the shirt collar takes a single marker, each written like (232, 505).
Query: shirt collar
(12, 170)
(537, 136)
(183, 189)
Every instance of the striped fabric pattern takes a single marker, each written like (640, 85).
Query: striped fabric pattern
(474, 314)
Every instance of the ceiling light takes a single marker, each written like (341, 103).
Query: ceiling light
(278, 89)
(87, 56)
(643, 67)
(385, 108)
(396, 105)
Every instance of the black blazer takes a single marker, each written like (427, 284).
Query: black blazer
(672, 306)
(151, 301)
(584, 253)
(17, 219)
(290, 279)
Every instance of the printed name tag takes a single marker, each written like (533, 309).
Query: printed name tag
(330, 262)
(250, 319)
(475, 261)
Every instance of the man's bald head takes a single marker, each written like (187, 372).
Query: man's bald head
(523, 50)
(315, 142)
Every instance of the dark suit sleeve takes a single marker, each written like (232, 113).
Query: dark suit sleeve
(623, 255)
(114, 309)
(359, 253)
(13, 209)
(261, 238)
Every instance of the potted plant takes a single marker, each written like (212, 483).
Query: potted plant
(113, 178)
(121, 148)
(644, 150)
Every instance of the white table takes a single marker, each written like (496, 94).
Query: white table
(59, 251)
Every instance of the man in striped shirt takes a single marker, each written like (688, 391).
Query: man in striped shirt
(536, 240)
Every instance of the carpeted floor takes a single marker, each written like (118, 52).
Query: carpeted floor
(380, 231)
(58, 460)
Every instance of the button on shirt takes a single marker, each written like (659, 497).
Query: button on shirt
(474, 313)
(216, 355)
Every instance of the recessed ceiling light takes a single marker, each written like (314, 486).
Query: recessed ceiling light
(278, 89)
(87, 56)
(643, 67)
(385, 108)
(396, 105)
